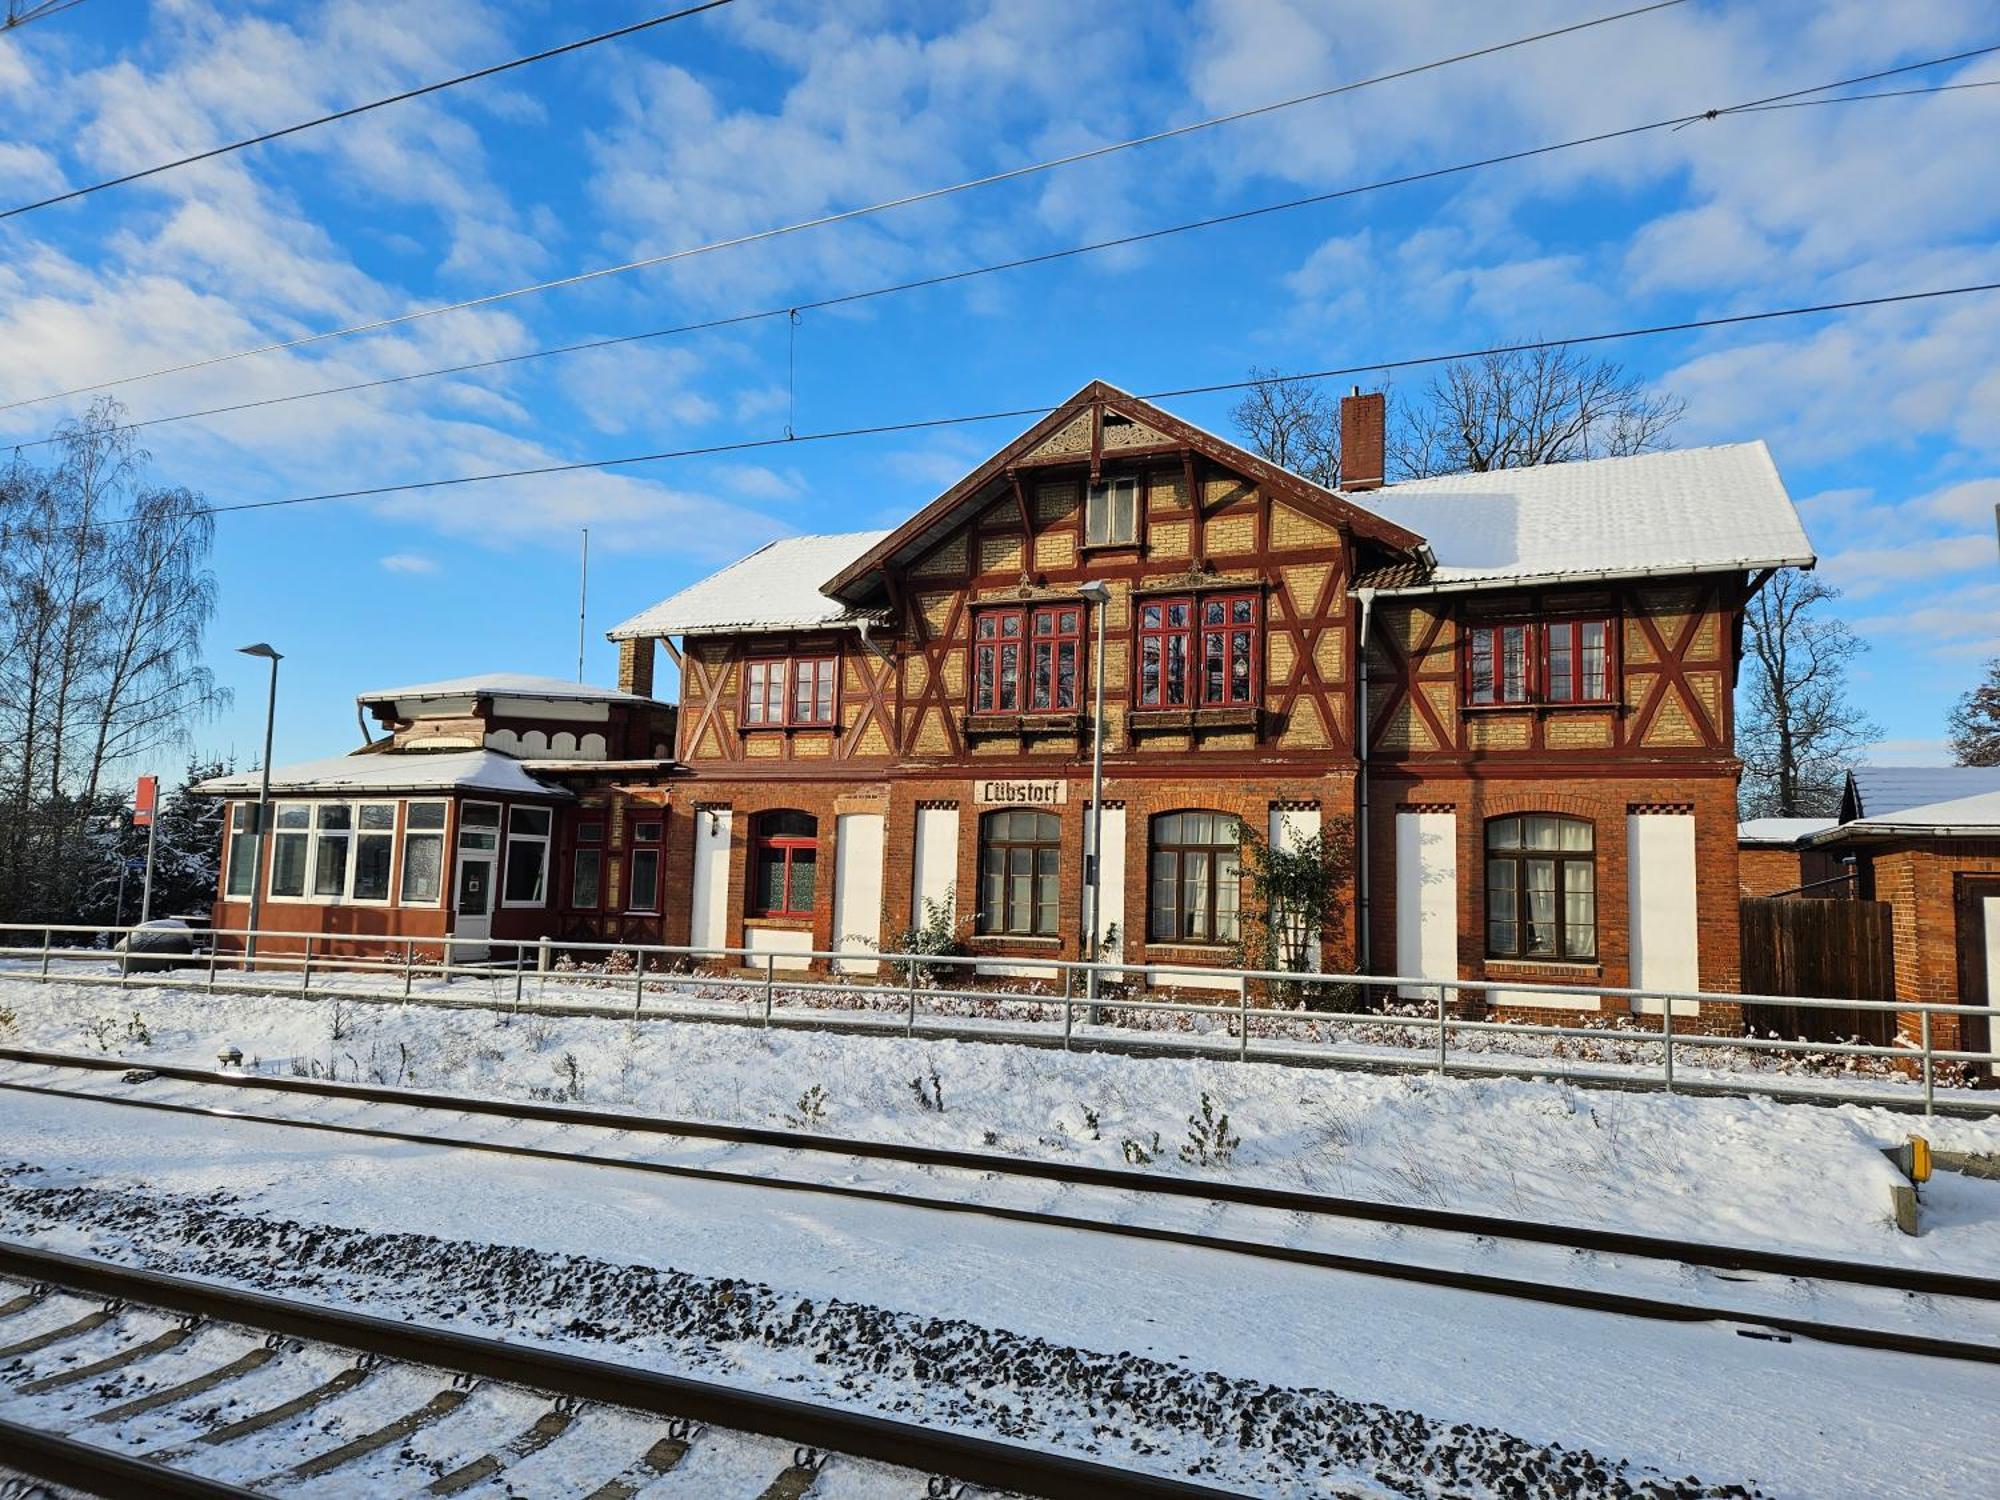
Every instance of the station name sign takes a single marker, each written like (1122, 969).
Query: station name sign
(1002, 793)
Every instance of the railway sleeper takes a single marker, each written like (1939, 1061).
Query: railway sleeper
(656, 1463)
(551, 1425)
(798, 1477)
(160, 1343)
(89, 1323)
(197, 1385)
(440, 1406)
(284, 1411)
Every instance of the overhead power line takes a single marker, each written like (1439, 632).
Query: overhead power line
(883, 429)
(927, 195)
(361, 109)
(1046, 257)
(21, 12)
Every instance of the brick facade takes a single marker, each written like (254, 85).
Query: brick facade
(1920, 879)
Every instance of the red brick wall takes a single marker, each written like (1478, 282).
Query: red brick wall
(1765, 871)
(1604, 801)
(1918, 881)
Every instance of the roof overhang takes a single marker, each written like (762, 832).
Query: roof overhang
(948, 508)
(1596, 575)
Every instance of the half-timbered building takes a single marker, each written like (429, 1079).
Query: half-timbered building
(1513, 689)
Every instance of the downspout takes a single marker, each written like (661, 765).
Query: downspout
(1366, 598)
(361, 718)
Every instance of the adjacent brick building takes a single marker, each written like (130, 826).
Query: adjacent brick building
(1511, 690)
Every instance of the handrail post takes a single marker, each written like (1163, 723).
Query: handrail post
(125, 960)
(409, 960)
(306, 969)
(1069, 1005)
(1667, 1031)
(1243, 1022)
(48, 942)
(1929, 1081)
(910, 1025)
(770, 983)
(638, 981)
(520, 974)
(1442, 1034)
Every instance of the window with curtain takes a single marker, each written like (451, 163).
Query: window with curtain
(1020, 863)
(1111, 514)
(784, 864)
(1541, 887)
(1027, 660)
(1546, 661)
(1197, 878)
(1199, 652)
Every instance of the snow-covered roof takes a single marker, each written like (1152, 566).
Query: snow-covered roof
(391, 771)
(777, 587)
(503, 685)
(1780, 832)
(1874, 791)
(1689, 510)
(1976, 816)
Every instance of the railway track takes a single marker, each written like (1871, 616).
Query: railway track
(940, 1171)
(121, 1382)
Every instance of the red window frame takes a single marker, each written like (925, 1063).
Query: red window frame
(656, 848)
(772, 682)
(1055, 643)
(1485, 644)
(1011, 647)
(1179, 635)
(1565, 670)
(787, 847)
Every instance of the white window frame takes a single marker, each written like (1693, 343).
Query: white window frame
(303, 896)
(509, 838)
(356, 833)
(1100, 507)
(406, 833)
(242, 815)
(314, 835)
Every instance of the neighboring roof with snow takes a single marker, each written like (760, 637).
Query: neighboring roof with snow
(1689, 510)
(503, 685)
(391, 771)
(1780, 832)
(1874, 791)
(777, 587)
(1976, 816)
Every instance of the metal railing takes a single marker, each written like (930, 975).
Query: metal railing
(1274, 1015)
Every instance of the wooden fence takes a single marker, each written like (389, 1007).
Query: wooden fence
(1835, 950)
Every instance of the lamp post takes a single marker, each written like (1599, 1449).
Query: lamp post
(1098, 596)
(263, 805)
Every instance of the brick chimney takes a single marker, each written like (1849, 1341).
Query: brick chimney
(1362, 439)
(635, 666)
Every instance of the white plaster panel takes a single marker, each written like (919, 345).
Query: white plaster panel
(935, 864)
(1426, 898)
(1289, 828)
(1660, 858)
(1111, 881)
(788, 944)
(857, 890)
(709, 920)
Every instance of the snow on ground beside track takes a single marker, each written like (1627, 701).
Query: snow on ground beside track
(1745, 1171)
(1284, 1379)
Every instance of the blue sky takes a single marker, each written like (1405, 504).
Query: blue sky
(1885, 424)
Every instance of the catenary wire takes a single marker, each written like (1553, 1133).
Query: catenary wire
(945, 278)
(882, 429)
(362, 109)
(845, 215)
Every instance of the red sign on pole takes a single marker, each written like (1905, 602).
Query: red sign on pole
(144, 800)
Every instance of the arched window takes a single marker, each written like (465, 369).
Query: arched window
(784, 864)
(1541, 887)
(1020, 860)
(1197, 878)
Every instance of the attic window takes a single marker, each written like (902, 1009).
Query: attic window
(1111, 519)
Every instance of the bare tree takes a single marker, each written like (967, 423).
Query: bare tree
(1515, 409)
(1974, 723)
(104, 597)
(1797, 732)
(1293, 423)
(1505, 410)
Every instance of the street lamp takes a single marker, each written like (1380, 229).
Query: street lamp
(263, 805)
(1097, 595)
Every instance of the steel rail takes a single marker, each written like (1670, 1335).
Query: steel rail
(984, 1462)
(101, 1471)
(1285, 1200)
(1518, 1289)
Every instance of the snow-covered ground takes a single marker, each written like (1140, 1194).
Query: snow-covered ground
(1740, 1171)
(1281, 1379)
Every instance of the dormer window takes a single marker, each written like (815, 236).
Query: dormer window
(1111, 516)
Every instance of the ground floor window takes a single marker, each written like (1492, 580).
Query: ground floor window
(527, 857)
(586, 870)
(784, 864)
(1020, 860)
(1197, 878)
(642, 888)
(423, 853)
(1541, 888)
(242, 849)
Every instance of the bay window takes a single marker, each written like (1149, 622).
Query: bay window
(289, 846)
(333, 828)
(242, 849)
(374, 850)
(1027, 660)
(1199, 652)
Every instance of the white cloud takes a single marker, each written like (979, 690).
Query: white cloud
(408, 562)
